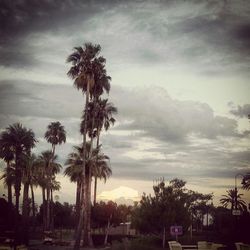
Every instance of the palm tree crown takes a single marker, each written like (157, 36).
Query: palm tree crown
(48, 160)
(102, 112)
(55, 133)
(246, 181)
(230, 199)
(88, 68)
(16, 139)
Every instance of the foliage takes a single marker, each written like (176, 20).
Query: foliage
(246, 182)
(102, 213)
(55, 133)
(15, 141)
(89, 75)
(170, 205)
(64, 215)
(231, 198)
(229, 228)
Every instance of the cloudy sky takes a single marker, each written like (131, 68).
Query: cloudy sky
(180, 80)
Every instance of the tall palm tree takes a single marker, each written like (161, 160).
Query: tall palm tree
(85, 64)
(55, 186)
(48, 168)
(54, 135)
(20, 140)
(7, 155)
(230, 199)
(96, 165)
(102, 112)
(27, 172)
(101, 170)
(8, 178)
(103, 118)
(74, 172)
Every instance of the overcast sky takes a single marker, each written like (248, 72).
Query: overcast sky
(180, 80)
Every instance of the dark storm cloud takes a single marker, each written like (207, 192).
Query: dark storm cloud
(171, 120)
(242, 32)
(241, 111)
(221, 37)
(146, 26)
(241, 157)
(20, 18)
(26, 98)
(152, 169)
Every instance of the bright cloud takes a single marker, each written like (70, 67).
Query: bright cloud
(120, 192)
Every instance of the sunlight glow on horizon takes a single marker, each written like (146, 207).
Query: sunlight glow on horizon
(120, 192)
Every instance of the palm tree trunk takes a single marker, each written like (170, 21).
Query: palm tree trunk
(17, 183)
(107, 231)
(88, 190)
(44, 208)
(48, 210)
(78, 196)
(17, 192)
(95, 190)
(32, 200)
(25, 214)
(52, 211)
(25, 199)
(49, 215)
(78, 202)
(98, 137)
(87, 227)
(88, 210)
(9, 185)
(164, 238)
(33, 208)
(9, 194)
(83, 214)
(97, 146)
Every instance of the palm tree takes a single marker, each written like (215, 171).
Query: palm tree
(74, 172)
(8, 178)
(85, 63)
(230, 199)
(54, 135)
(106, 112)
(48, 168)
(20, 140)
(101, 112)
(7, 155)
(27, 172)
(101, 170)
(55, 186)
(246, 181)
(96, 165)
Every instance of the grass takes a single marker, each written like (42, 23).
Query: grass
(142, 243)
